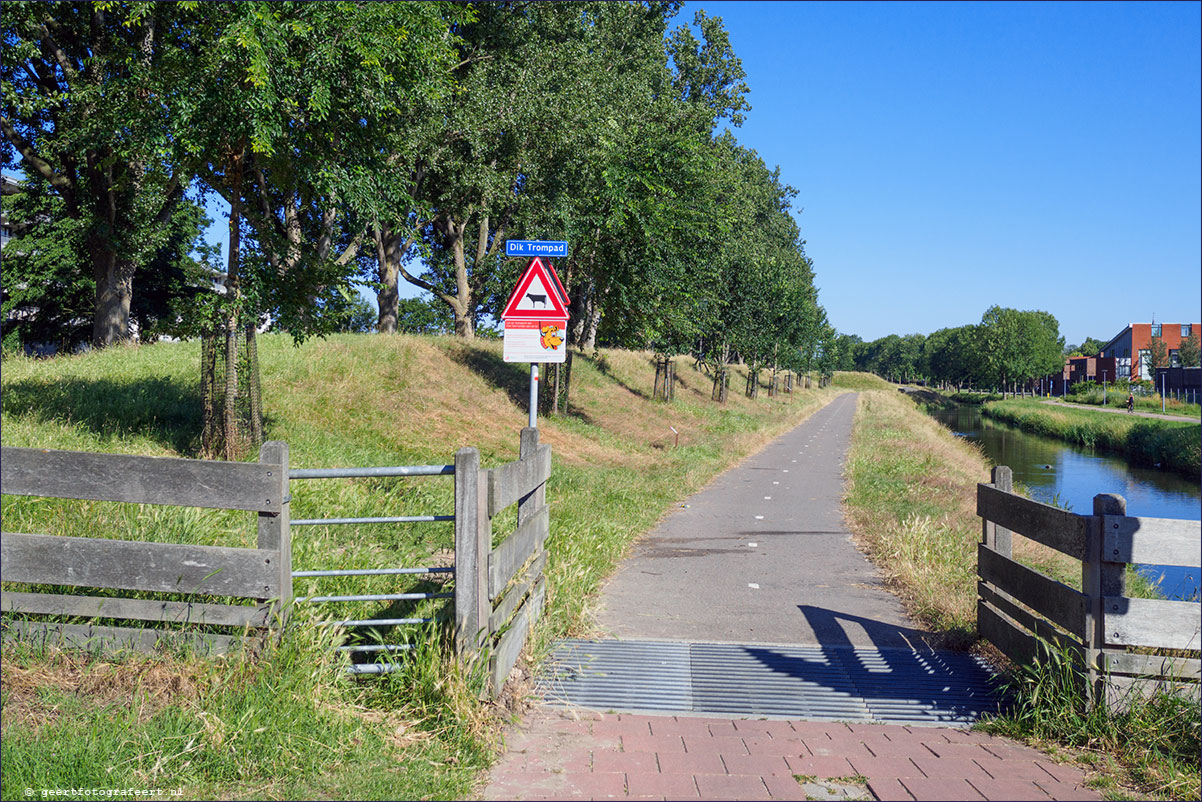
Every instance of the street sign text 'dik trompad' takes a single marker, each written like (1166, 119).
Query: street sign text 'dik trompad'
(536, 316)
(532, 247)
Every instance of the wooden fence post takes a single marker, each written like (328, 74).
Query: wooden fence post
(997, 537)
(1099, 578)
(275, 529)
(471, 554)
(532, 502)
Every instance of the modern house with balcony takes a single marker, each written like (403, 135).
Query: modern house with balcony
(1131, 347)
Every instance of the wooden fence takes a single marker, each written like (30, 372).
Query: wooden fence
(262, 574)
(1114, 638)
(499, 593)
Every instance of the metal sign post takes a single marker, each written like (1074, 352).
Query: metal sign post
(533, 395)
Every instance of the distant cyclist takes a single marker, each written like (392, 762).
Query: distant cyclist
(1130, 402)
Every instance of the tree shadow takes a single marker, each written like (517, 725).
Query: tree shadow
(162, 408)
(599, 361)
(513, 378)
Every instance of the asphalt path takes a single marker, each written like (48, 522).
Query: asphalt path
(761, 555)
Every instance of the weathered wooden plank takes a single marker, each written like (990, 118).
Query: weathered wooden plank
(142, 609)
(515, 550)
(116, 639)
(1122, 691)
(510, 644)
(1025, 619)
(1046, 596)
(511, 481)
(1155, 541)
(275, 528)
(1148, 665)
(1017, 644)
(1154, 623)
(1043, 523)
(509, 602)
(136, 565)
(141, 480)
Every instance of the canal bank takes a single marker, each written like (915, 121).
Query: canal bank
(1068, 476)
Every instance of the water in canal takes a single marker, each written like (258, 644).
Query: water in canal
(1054, 472)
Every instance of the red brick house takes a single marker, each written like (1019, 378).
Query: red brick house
(1130, 347)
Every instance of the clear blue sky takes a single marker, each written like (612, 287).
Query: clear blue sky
(949, 157)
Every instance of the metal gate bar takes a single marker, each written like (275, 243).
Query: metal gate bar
(387, 648)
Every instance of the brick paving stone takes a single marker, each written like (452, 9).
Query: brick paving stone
(759, 765)
(816, 728)
(784, 787)
(1012, 751)
(1009, 789)
(774, 728)
(886, 767)
(843, 747)
(821, 767)
(571, 759)
(883, 748)
(950, 767)
(1070, 792)
(960, 751)
(607, 760)
(612, 726)
(672, 786)
(559, 726)
(929, 790)
(726, 744)
(877, 729)
(674, 727)
(1062, 772)
(1017, 769)
(767, 745)
(727, 786)
(598, 785)
(652, 743)
(958, 736)
(691, 763)
(723, 728)
(889, 790)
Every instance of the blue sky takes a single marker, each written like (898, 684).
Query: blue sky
(949, 157)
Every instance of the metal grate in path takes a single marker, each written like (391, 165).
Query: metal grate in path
(843, 683)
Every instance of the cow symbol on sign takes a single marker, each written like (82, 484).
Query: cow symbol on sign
(537, 299)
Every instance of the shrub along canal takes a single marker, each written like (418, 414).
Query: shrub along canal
(1056, 473)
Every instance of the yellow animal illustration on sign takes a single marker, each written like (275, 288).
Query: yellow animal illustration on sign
(550, 338)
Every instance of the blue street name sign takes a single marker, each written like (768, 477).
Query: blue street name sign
(533, 247)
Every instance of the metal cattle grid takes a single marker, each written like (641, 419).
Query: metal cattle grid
(350, 473)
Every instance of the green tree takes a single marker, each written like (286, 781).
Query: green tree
(87, 110)
(1090, 347)
(1188, 352)
(1158, 355)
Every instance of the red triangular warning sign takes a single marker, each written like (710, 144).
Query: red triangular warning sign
(538, 295)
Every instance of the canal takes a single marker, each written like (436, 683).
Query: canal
(1057, 473)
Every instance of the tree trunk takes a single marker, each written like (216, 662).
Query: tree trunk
(233, 296)
(387, 297)
(114, 292)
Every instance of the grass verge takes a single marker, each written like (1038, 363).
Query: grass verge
(285, 724)
(1173, 445)
(910, 500)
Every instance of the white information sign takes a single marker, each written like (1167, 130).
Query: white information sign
(535, 340)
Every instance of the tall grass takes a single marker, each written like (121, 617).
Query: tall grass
(1170, 444)
(348, 401)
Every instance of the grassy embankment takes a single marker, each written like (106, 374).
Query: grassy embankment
(1116, 398)
(286, 723)
(910, 499)
(1175, 445)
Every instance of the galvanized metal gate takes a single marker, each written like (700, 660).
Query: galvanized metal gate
(380, 627)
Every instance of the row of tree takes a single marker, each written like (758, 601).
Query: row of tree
(385, 142)
(1008, 347)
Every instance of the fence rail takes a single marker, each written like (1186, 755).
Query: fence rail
(262, 574)
(1107, 633)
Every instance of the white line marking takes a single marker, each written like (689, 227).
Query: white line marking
(753, 545)
(767, 498)
(753, 585)
(759, 517)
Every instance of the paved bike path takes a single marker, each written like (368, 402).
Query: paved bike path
(761, 555)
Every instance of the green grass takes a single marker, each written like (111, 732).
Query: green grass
(1116, 398)
(1143, 441)
(349, 400)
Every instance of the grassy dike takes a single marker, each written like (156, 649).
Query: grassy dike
(1175, 445)
(284, 722)
(910, 500)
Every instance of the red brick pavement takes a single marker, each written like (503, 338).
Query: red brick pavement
(584, 755)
